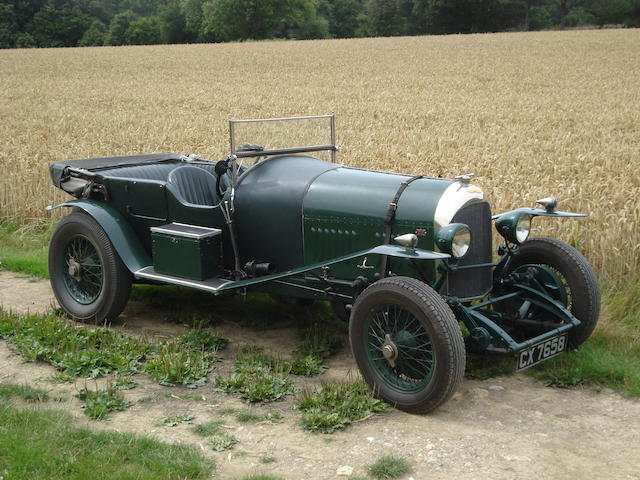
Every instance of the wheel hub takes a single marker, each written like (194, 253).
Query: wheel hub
(75, 270)
(390, 350)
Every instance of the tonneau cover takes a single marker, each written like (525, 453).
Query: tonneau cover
(57, 169)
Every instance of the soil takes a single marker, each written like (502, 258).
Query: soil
(502, 428)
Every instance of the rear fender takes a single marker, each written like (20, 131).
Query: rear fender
(122, 236)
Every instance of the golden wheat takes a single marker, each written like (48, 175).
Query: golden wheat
(532, 114)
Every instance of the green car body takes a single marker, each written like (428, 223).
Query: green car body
(297, 226)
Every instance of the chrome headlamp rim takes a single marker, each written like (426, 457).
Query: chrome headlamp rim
(454, 239)
(514, 227)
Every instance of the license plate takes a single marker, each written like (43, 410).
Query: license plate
(541, 351)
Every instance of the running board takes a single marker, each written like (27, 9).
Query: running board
(212, 285)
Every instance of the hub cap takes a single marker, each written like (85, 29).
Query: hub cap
(82, 270)
(399, 348)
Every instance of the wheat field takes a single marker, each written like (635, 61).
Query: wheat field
(531, 114)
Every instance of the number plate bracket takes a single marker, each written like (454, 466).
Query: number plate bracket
(541, 351)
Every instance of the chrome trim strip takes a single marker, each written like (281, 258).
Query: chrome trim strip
(166, 229)
(212, 286)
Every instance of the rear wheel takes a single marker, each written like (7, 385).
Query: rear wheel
(87, 276)
(567, 276)
(407, 344)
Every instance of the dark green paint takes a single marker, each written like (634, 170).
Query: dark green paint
(415, 362)
(196, 259)
(119, 231)
(344, 211)
(85, 287)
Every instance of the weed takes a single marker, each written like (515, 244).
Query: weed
(307, 365)
(24, 392)
(197, 339)
(208, 429)
(58, 378)
(124, 383)
(222, 441)
(74, 351)
(248, 417)
(145, 399)
(178, 419)
(389, 466)
(274, 417)
(228, 411)
(266, 460)
(336, 405)
(172, 364)
(257, 377)
(100, 403)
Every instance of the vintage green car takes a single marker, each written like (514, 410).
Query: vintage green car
(407, 260)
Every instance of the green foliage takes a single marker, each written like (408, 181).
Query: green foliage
(317, 345)
(257, 377)
(389, 466)
(42, 443)
(208, 429)
(23, 392)
(116, 35)
(74, 351)
(171, 364)
(185, 360)
(222, 441)
(24, 248)
(336, 405)
(94, 35)
(579, 16)
(144, 31)
(100, 403)
(177, 419)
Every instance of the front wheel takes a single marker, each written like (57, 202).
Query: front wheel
(577, 285)
(87, 276)
(407, 344)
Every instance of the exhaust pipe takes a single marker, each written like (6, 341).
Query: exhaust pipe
(259, 269)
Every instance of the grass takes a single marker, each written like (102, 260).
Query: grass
(74, 351)
(177, 419)
(222, 441)
(257, 377)
(23, 247)
(99, 404)
(388, 467)
(208, 429)
(318, 344)
(43, 443)
(335, 405)
(23, 392)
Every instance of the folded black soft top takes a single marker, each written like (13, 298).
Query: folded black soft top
(57, 168)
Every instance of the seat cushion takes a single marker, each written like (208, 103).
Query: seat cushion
(193, 185)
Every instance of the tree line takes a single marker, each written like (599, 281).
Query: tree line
(69, 23)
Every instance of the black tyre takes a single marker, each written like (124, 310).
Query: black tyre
(579, 287)
(407, 344)
(87, 276)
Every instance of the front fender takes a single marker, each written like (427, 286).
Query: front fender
(539, 212)
(122, 236)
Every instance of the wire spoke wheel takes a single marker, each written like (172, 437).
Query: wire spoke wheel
(399, 347)
(407, 344)
(87, 276)
(82, 270)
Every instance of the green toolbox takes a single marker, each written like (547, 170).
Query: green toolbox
(187, 251)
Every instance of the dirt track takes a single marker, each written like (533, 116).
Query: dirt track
(503, 428)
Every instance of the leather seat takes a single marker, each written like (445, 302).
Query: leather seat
(193, 185)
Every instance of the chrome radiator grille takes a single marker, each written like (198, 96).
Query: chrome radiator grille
(476, 282)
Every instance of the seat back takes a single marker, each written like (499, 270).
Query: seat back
(193, 185)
